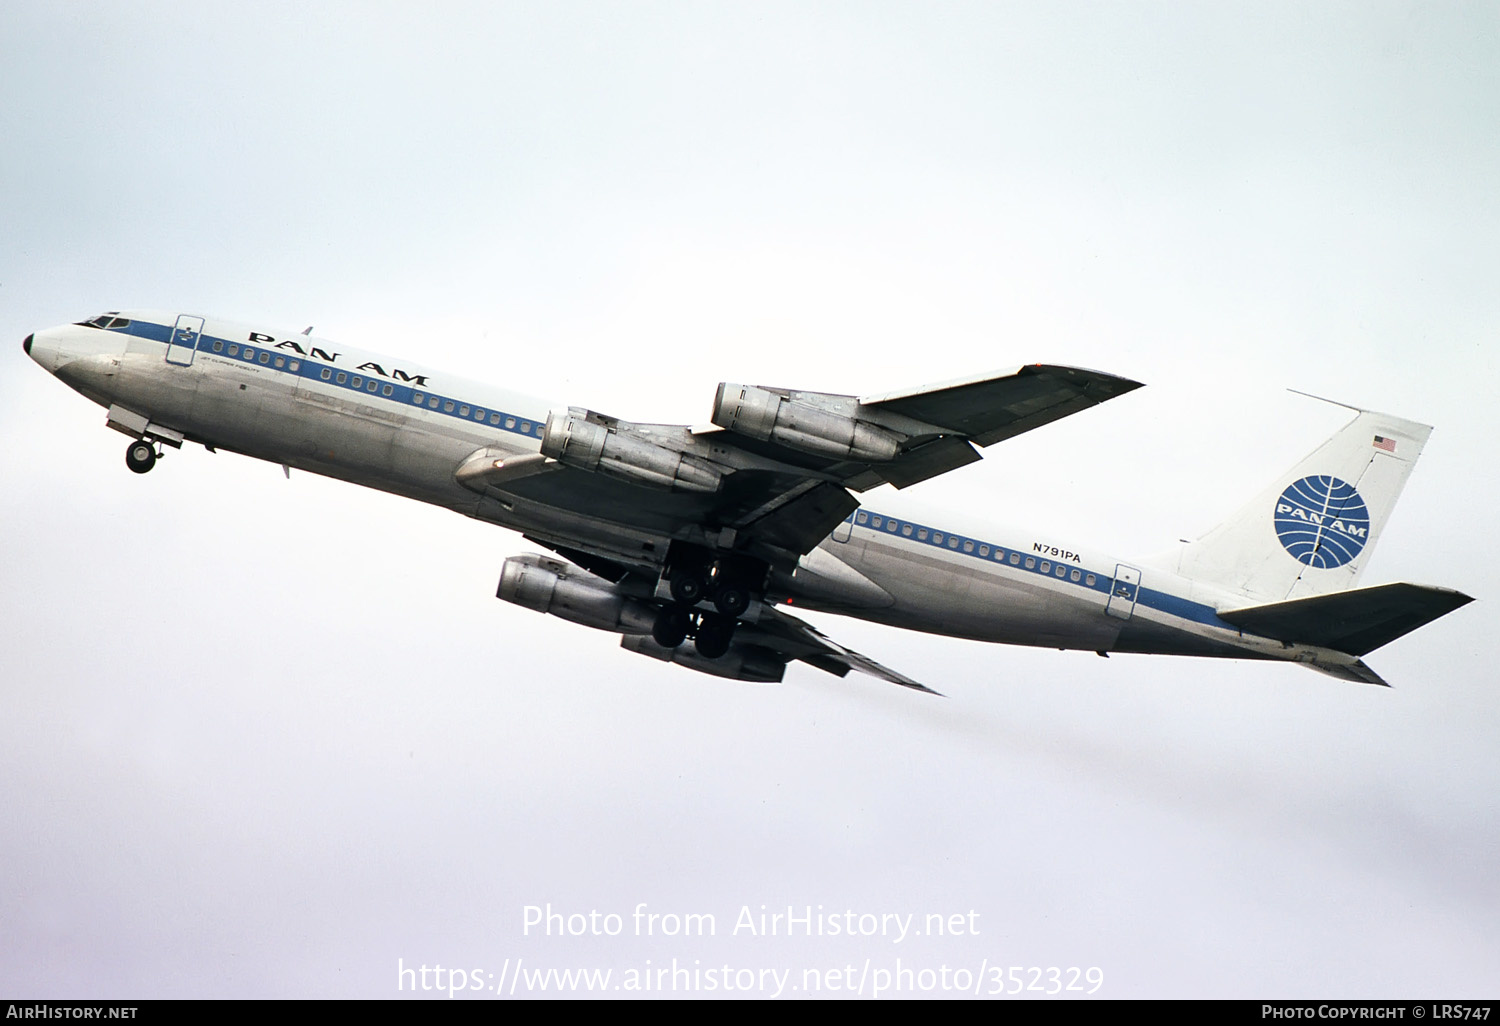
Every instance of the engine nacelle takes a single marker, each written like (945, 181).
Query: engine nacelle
(575, 441)
(552, 586)
(802, 425)
(749, 663)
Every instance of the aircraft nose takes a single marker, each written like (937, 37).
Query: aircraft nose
(42, 347)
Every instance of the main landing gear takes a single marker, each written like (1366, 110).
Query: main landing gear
(711, 632)
(728, 582)
(140, 456)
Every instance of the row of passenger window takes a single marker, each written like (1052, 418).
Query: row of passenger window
(458, 409)
(952, 541)
(356, 381)
(371, 385)
(282, 363)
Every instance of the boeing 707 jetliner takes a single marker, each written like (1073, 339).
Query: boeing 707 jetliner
(689, 541)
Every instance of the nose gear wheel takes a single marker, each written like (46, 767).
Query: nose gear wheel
(140, 456)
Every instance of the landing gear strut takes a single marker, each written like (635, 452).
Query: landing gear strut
(140, 456)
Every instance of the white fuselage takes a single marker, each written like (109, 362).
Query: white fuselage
(309, 404)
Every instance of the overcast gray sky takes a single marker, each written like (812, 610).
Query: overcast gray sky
(266, 738)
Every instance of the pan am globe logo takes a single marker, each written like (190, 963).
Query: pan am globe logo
(1322, 521)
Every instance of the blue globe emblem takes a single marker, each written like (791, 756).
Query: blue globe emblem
(1322, 521)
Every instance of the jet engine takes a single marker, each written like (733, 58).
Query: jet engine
(553, 586)
(574, 440)
(806, 421)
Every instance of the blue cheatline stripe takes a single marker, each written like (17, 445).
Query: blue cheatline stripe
(989, 552)
(144, 329)
(1187, 609)
(282, 362)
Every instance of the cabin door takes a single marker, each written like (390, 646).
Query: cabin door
(1122, 593)
(842, 532)
(184, 341)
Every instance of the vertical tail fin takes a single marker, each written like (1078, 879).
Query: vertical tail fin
(1311, 532)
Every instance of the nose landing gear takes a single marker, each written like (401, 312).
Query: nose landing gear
(140, 456)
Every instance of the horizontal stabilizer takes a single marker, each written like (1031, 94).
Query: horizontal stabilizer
(1353, 622)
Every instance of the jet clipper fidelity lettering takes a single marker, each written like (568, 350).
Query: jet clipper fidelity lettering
(690, 542)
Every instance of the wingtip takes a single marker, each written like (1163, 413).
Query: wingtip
(1099, 384)
(1118, 385)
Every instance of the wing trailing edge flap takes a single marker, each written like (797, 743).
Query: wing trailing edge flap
(797, 520)
(792, 638)
(1356, 672)
(930, 460)
(1354, 622)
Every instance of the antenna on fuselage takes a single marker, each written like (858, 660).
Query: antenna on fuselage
(1325, 399)
(307, 330)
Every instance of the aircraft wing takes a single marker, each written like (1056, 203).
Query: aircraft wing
(772, 478)
(938, 426)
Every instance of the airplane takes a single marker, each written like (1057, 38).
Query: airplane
(692, 542)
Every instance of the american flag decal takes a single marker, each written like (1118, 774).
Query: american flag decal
(1385, 444)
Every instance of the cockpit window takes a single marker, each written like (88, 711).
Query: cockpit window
(106, 320)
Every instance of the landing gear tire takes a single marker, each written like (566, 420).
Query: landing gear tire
(687, 586)
(714, 636)
(671, 627)
(732, 600)
(140, 456)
